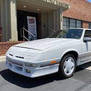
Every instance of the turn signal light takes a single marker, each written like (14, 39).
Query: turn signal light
(53, 62)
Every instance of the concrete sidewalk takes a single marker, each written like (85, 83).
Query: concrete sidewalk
(2, 58)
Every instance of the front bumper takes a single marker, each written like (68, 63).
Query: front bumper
(32, 72)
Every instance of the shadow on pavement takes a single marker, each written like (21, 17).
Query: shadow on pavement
(26, 82)
(84, 66)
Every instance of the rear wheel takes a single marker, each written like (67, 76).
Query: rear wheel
(67, 66)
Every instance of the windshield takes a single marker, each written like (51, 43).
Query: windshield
(72, 33)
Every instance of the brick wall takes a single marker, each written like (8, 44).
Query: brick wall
(4, 46)
(79, 9)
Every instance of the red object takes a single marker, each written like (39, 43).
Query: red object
(31, 21)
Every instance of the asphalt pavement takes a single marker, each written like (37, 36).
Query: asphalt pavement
(9, 81)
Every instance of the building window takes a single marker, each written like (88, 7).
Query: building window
(90, 25)
(65, 23)
(79, 24)
(71, 23)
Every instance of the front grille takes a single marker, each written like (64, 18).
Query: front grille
(18, 68)
(14, 62)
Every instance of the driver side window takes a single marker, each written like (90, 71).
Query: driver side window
(87, 34)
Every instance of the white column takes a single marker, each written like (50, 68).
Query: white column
(57, 20)
(13, 20)
(0, 12)
(5, 23)
(8, 20)
(61, 19)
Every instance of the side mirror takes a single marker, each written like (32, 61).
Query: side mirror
(87, 39)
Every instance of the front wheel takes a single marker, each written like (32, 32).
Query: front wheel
(67, 66)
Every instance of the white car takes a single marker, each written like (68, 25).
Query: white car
(50, 55)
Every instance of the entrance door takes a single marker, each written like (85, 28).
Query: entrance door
(29, 21)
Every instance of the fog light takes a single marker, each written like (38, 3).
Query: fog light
(28, 71)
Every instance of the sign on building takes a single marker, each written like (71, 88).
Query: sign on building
(32, 28)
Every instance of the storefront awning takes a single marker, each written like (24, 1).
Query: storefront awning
(43, 4)
(55, 3)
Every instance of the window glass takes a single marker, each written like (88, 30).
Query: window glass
(88, 33)
(65, 23)
(74, 33)
(72, 23)
(70, 34)
(90, 25)
(79, 24)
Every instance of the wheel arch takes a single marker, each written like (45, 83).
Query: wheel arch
(73, 52)
(61, 66)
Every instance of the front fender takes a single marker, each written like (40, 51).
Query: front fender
(69, 50)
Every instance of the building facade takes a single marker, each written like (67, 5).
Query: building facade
(79, 14)
(40, 16)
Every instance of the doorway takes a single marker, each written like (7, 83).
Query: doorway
(31, 22)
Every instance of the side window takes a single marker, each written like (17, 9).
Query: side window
(88, 33)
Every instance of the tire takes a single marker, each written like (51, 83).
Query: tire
(67, 66)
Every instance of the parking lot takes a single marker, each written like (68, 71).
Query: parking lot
(10, 81)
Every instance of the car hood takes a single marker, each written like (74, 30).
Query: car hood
(43, 44)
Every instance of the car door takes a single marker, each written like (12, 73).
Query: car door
(86, 48)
